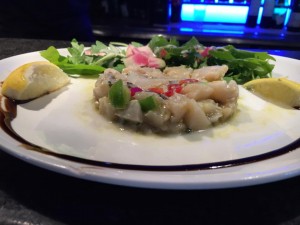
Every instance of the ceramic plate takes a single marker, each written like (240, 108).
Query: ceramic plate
(258, 145)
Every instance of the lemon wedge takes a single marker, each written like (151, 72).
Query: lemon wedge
(33, 80)
(280, 91)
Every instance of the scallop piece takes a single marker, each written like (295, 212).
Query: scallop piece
(178, 72)
(228, 110)
(212, 110)
(195, 117)
(111, 71)
(198, 91)
(145, 82)
(144, 71)
(101, 88)
(177, 104)
(158, 118)
(224, 92)
(106, 109)
(210, 73)
(132, 113)
(113, 74)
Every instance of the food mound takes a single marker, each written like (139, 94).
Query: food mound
(177, 99)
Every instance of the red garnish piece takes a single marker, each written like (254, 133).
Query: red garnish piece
(175, 87)
(163, 53)
(134, 90)
(156, 90)
(205, 52)
(169, 93)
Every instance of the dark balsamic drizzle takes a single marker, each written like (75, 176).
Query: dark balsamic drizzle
(9, 112)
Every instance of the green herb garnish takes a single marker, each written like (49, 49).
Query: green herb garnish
(68, 66)
(78, 62)
(148, 104)
(119, 95)
(243, 65)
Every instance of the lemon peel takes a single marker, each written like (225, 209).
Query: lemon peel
(33, 80)
(281, 91)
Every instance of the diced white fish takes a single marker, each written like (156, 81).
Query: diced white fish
(178, 72)
(106, 109)
(210, 73)
(224, 92)
(144, 71)
(101, 88)
(144, 82)
(195, 117)
(178, 106)
(158, 118)
(198, 91)
(132, 113)
(212, 110)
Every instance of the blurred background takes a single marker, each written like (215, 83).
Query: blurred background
(245, 23)
(248, 23)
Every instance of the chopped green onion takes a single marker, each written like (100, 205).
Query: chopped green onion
(119, 95)
(148, 104)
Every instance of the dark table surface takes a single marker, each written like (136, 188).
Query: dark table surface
(30, 195)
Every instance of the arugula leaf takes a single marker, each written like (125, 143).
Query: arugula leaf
(76, 52)
(174, 54)
(243, 54)
(53, 56)
(98, 47)
(160, 41)
(243, 65)
(81, 69)
(191, 44)
(80, 63)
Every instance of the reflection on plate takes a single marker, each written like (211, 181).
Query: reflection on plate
(237, 153)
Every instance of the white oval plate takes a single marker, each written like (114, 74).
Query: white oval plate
(239, 152)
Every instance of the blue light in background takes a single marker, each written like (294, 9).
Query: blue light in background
(187, 29)
(210, 31)
(280, 11)
(223, 13)
(222, 31)
(214, 13)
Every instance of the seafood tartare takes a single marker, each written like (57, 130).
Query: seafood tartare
(176, 99)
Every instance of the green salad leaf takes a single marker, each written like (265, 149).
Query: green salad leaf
(70, 66)
(175, 54)
(79, 62)
(243, 65)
